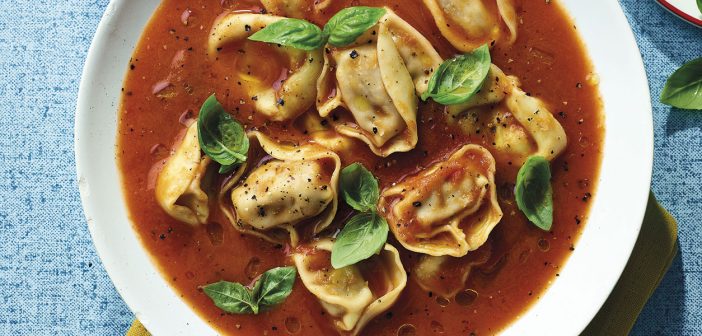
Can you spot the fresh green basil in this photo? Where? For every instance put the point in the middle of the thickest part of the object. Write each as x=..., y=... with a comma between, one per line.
x=274, y=286
x=231, y=297
x=271, y=289
x=460, y=78
x=221, y=137
x=534, y=193
x=350, y=23
x=359, y=188
x=295, y=33
x=699, y=5
x=365, y=233
x=362, y=236
x=684, y=87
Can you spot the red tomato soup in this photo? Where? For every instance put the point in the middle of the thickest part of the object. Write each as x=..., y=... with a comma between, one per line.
x=172, y=73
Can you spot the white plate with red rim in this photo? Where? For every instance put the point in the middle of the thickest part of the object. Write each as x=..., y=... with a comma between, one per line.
x=567, y=306
x=688, y=10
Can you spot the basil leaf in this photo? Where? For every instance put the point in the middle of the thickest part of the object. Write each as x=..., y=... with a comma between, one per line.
x=534, y=193
x=350, y=23
x=231, y=297
x=460, y=78
x=699, y=5
x=221, y=137
x=274, y=286
x=362, y=236
x=295, y=33
x=359, y=188
x=684, y=87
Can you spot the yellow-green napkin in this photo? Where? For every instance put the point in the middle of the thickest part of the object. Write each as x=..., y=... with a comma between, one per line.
x=653, y=253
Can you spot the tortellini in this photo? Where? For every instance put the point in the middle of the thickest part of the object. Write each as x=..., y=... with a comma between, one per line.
x=352, y=295
x=377, y=80
x=283, y=190
x=295, y=92
x=520, y=125
x=179, y=188
x=445, y=276
x=468, y=24
x=449, y=208
x=294, y=8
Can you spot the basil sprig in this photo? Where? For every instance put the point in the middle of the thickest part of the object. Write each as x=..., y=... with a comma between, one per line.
x=350, y=23
x=459, y=78
x=221, y=137
x=684, y=87
x=365, y=233
x=341, y=30
x=271, y=289
x=295, y=33
x=534, y=193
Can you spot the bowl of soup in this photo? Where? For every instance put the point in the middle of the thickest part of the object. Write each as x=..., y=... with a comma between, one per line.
x=372, y=167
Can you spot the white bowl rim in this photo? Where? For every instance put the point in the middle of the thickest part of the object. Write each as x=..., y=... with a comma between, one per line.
x=161, y=310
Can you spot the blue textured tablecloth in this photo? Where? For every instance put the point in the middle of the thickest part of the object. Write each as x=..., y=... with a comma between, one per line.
x=51, y=280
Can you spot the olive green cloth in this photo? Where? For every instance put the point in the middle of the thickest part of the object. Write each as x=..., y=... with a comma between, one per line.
x=653, y=253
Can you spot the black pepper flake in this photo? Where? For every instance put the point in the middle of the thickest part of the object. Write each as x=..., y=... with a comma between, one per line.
x=247, y=28
x=162, y=236
x=353, y=54
x=254, y=98
x=587, y=197
x=281, y=102
x=132, y=66
x=416, y=204
x=324, y=122
x=375, y=130
x=261, y=212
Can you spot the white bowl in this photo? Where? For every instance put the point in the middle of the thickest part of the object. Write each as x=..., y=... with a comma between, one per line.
x=567, y=306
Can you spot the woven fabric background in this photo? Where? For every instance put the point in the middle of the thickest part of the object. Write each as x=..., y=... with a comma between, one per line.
x=51, y=280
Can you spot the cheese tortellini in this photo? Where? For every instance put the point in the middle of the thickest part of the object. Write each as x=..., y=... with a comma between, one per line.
x=449, y=208
x=283, y=190
x=355, y=294
x=179, y=186
x=294, y=8
x=520, y=125
x=377, y=80
x=445, y=276
x=295, y=92
x=468, y=24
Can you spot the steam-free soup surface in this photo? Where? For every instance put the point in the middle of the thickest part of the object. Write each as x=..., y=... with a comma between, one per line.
x=169, y=77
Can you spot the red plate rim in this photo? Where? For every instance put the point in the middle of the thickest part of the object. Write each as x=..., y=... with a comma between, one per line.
x=675, y=10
